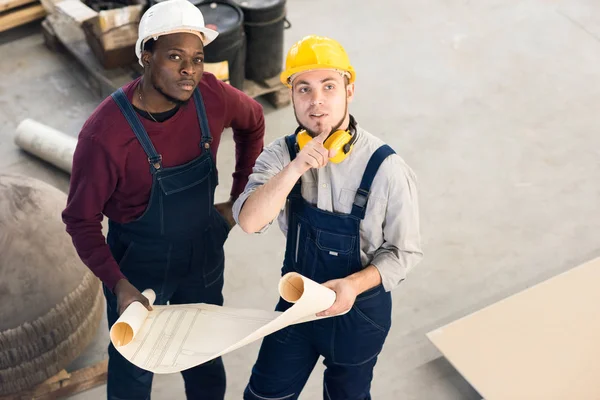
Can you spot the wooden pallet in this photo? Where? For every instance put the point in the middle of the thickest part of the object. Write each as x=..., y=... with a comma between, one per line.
x=15, y=13
x=272, y=89
x=6, y=5
x=61, y=34
x=65, y=384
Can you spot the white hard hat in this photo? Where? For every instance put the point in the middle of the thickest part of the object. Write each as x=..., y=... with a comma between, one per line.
x=172, y=16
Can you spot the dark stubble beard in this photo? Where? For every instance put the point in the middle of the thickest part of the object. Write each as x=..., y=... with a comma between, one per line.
x=333, y=129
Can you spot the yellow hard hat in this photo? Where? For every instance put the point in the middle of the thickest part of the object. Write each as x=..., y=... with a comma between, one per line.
x=316, y=52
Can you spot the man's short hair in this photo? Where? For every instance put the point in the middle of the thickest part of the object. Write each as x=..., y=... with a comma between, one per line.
x=149, y=45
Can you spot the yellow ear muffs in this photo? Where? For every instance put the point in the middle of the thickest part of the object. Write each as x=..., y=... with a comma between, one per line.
x=302, y=138
x=340, y=140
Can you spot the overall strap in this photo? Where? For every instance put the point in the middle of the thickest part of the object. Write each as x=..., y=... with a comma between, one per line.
x=290, y=141
x=362, y=194
x=124, y=104
x=202, y=119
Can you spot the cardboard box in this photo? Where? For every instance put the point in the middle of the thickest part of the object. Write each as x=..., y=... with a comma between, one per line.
x=112, y=35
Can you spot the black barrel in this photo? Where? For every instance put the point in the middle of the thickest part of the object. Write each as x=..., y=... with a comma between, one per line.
x=264, y=22
x=230, y=46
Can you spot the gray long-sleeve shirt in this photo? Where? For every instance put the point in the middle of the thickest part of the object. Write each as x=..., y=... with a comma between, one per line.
x=389, y=234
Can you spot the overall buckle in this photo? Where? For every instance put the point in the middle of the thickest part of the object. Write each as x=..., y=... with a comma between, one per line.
x=361, y=198
x=155, y=161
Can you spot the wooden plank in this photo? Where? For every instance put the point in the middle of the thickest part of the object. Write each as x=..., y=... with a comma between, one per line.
x=274, y=91
x=79, y=381
x=10, y=4
x=66, y=384
x=61, y=376
x=255, y=89
x=21, y=16
x=280, y=97
x=274, y=82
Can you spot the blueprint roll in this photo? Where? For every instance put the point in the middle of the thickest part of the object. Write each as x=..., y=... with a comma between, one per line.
x=46, y=143
x=132, y=319
x=173, y=338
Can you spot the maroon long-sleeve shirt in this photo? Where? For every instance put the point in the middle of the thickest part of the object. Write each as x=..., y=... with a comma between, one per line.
x=111, y=174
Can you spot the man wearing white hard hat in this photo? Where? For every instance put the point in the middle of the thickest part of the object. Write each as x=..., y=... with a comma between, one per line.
x=146, y=160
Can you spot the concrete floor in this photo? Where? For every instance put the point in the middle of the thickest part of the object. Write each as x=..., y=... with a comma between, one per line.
x=491, y=102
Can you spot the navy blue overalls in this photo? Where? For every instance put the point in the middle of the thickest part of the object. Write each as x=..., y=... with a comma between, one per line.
x=322, y=245
x=175, y=248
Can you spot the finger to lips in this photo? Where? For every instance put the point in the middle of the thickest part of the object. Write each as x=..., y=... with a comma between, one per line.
x=322, y=136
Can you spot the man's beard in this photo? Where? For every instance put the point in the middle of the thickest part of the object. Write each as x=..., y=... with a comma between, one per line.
x=173, y=100
x=333, y=129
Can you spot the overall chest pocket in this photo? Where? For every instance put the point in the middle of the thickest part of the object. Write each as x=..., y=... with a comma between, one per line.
x=187, y=177
x=335, y=243
x=328, y=255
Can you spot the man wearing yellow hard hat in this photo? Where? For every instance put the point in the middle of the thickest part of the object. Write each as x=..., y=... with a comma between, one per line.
x=348, y=206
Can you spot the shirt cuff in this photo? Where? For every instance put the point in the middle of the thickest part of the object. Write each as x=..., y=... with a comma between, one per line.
x=392, y=273
x=112, y=278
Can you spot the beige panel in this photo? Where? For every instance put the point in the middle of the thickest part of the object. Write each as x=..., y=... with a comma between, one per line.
x=542, y=343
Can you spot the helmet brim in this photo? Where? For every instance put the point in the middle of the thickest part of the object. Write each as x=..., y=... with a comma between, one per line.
x=205, y=34
x=286, y=75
